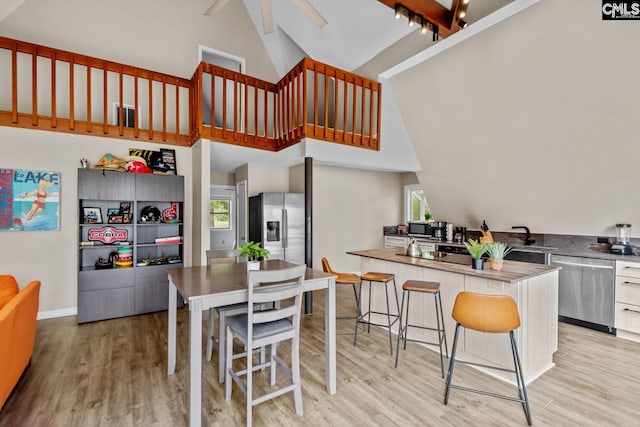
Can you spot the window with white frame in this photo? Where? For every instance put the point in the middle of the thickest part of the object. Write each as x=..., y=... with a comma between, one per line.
x=415, y=202
x=220, y=213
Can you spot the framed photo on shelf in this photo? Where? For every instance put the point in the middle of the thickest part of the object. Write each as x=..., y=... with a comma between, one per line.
x=169, y=160
x=125, y=207
x=92, y=216
x=127, y=218
x=114, y=216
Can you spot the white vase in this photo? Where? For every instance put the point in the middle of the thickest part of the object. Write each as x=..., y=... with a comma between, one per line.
x=253, y=265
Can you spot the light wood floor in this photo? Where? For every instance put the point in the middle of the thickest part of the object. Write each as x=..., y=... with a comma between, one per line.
x=113, y=373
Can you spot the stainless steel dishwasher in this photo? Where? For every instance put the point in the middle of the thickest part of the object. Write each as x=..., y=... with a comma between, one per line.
x=586, y=288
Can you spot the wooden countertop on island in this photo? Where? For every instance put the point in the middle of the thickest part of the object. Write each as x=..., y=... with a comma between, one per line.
x=512, y=271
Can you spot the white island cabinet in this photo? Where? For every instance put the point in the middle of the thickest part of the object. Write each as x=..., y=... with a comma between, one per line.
x=534, y=287
x=627, y=320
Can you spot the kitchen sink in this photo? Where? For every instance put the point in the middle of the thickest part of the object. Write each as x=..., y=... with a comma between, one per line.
x=532, y=248
x=534, y=256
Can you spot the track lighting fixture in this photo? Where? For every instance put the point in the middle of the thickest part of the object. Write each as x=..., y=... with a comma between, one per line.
x=414, y=19
x=458, y=12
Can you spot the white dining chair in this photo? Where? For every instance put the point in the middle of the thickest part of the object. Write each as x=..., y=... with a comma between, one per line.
x=256, y=329
x=215, y=256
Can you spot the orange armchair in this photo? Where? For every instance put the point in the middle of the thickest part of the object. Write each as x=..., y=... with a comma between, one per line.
x=18, y=312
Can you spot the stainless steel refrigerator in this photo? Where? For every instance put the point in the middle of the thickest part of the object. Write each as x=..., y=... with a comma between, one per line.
x=277, y=221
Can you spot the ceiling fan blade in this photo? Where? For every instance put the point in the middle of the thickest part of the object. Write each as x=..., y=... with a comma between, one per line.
x=216, y=7
x=267, y=21
x=311, y=12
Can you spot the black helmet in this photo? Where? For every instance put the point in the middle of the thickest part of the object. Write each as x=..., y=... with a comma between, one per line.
x=150, y=214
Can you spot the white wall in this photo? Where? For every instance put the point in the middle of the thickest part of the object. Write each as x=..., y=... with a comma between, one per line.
x=533, y=121
x=350, y=207
x=263, y=177
x=52, y=256
x=160, y=35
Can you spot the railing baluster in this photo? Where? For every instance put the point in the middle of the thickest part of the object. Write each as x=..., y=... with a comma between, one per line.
x=336, y=85
x=362, y=114
x=177, y=111
x=34, y=87
x=326, y=102
x=305, y=110
x=345, y=107
x=224, y=105
x=164, y=110
x=72, y=112
x=213, y=102
x=150, y=109
x=105, y=111
x=235, y=109
x=353, y=112
x=315, y=99
x=89, y=119
x=120, y=100
x=255, y=113
x=14, y=83
x=245, y=109
x=379, y=103
x=136, y=106
x=54, y=120
x=370, y=116
x=266, y=115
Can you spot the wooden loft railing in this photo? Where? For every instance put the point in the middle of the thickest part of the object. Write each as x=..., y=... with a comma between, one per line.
x=56, y=90
x=313, y=100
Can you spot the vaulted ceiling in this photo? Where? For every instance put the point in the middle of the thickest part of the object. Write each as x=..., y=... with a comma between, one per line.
x=357, y=32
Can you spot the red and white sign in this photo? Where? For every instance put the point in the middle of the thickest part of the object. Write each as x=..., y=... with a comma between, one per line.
x=108, y=235
x=171, y=214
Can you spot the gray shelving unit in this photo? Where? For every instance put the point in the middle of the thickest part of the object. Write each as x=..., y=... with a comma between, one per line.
x=143, y=287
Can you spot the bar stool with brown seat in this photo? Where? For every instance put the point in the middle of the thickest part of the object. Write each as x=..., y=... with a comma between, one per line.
x=345, y=279
x=387, y=279
x=423, y=287
x=492, y=314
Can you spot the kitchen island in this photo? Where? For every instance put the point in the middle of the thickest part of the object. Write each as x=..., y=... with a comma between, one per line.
x=534, y=287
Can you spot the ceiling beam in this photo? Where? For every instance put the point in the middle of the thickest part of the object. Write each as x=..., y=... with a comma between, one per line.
x=433, y=11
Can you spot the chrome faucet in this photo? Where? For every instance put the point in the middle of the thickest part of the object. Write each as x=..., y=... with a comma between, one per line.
x=527, y=240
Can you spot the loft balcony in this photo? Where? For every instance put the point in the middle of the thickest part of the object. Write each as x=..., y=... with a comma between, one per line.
x=56, y=90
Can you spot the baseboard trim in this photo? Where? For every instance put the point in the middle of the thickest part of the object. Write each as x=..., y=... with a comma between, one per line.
x=63, y=312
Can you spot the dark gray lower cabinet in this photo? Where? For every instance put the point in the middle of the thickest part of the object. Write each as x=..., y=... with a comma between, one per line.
x=152, y=288
x=104, y=296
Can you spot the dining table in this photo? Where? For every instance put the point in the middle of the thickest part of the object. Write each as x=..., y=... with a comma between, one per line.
x=204, y=287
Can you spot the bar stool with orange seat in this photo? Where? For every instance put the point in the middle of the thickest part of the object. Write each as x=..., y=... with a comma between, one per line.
x=423, y=287
x=345, y=279
x=492, y=314
x=387, y=279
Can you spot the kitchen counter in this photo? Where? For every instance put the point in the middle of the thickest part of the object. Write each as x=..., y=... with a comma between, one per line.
x=534, y=287
x=512, y=271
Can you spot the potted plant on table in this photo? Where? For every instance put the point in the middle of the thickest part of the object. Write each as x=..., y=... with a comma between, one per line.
x=254, y=252
x=476, y=250
x=497, y=251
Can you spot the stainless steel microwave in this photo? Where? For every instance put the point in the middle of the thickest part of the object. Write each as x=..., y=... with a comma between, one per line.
x=423, y=228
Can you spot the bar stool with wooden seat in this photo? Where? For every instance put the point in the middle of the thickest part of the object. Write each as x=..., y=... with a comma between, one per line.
x=492, y=314
x=345, y=279
x=423, y=287
x=387, y=279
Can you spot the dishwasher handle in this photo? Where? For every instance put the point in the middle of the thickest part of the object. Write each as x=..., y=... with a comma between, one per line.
x=577, y=264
